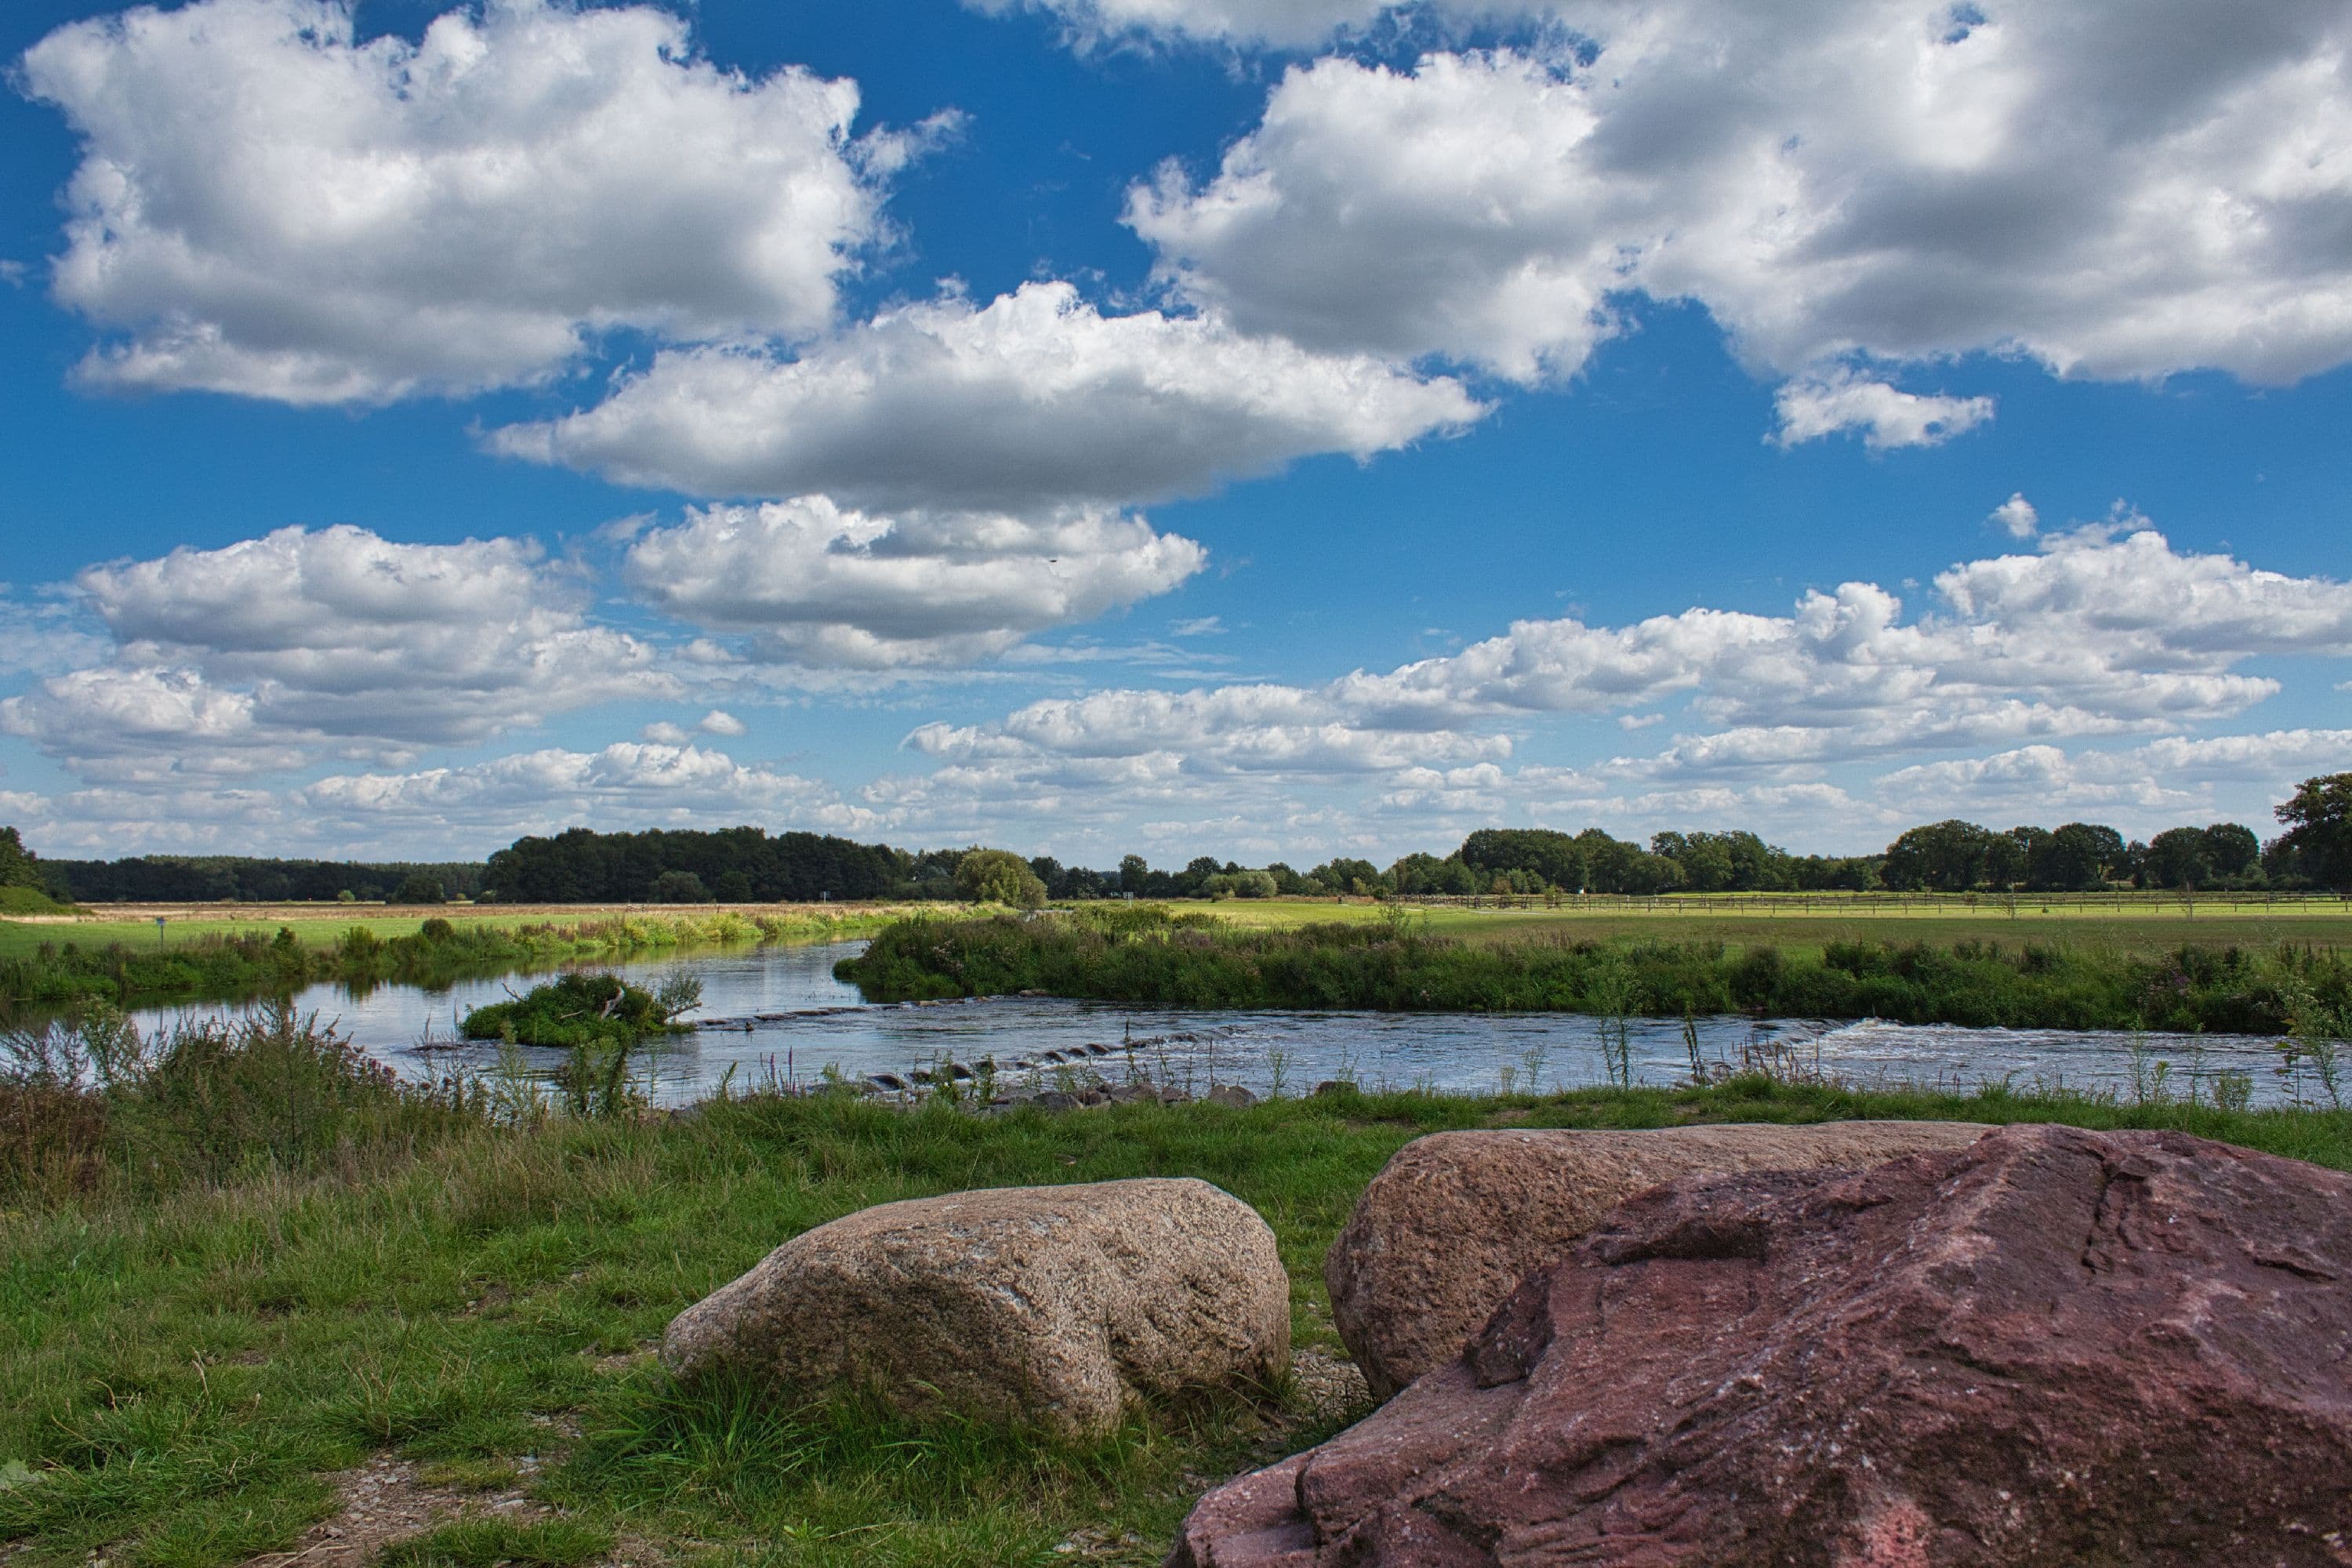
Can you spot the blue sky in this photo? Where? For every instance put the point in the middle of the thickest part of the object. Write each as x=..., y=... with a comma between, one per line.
x=1170, y=426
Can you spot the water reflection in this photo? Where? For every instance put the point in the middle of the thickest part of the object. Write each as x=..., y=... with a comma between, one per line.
x=788, y=1019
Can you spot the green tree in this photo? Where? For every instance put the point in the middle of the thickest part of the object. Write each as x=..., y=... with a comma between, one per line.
x=2176, y=859
x=1553, y=856
x=2231, y=849
x=2319, y=819
x=678, y=888
x=419, y=888
x=1704, y=859
x=1196, y=874
x=1343, y=875
x=999, y=876
x=18, y=867
x=1949, y=857
x=2079, y=857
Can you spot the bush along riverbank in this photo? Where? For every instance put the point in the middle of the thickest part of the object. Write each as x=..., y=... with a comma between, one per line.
x=218, y=966
x=1147, y=957
x=239, y=1264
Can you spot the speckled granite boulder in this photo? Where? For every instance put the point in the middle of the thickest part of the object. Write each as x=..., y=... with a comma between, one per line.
x=1050, y=1307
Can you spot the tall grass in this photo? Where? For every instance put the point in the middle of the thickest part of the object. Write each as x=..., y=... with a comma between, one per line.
x=95, y=1108
x=1147, y=958
x=217, y=966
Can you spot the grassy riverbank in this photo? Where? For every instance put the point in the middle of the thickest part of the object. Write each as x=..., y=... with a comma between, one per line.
x=62, y=968
x=1149, y=957
x=238, y=1295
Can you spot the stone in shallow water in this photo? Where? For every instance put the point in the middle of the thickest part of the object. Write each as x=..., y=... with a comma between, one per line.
x=1051, y=1307
x=1455, y=1220
x=2052, y=1347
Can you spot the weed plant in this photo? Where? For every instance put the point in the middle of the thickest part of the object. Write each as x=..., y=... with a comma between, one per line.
x=1146, y=957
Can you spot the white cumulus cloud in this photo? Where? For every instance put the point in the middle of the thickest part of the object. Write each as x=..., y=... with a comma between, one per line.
x=2017, y=517
x=626, y=784
x=1814, y=406
x=268, y=206
x=1285, y=22
x=823, y=584
x=335, y=637
x=1034, y=402
x=2091, y=635
x=2113, y=195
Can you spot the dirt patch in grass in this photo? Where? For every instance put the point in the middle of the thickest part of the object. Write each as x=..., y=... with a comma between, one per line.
x=384, y=1503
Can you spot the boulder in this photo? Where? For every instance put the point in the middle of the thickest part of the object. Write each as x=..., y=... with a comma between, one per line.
x=1455, y=1220
x=2052, y=1347
x=1054, y=1308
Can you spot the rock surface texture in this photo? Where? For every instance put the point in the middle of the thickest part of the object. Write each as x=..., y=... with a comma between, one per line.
x=1052, y=1306
x=2052, y=1347
x=1454, y=1222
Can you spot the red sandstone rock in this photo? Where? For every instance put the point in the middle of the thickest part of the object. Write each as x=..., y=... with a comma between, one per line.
x=2054, y=1347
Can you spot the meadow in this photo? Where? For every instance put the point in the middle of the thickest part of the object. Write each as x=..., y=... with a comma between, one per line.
x=255, y=1263
x=1803, y=924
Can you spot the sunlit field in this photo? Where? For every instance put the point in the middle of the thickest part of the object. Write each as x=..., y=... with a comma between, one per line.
x=321, y=925
x=1802, y=923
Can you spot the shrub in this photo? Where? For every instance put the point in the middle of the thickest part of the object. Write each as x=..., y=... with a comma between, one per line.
x=999, y=876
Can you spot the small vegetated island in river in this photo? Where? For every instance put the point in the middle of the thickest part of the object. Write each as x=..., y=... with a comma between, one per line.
x=585, y=1009
x=1148, y=957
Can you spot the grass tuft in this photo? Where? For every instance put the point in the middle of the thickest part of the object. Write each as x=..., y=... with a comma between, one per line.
x=488, y=1543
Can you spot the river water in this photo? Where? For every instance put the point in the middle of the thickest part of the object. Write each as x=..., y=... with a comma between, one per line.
x=778, y=1013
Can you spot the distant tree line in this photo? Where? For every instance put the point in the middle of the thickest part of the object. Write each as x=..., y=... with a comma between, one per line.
x=205, y=879
x=749, y=865
x=733, y=866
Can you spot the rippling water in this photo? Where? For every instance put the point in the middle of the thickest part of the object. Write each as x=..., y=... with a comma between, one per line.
x=787, y=1017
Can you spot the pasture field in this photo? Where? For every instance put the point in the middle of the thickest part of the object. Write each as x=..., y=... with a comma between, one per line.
x=1803, y=925
x=1800, y=923
x=324, y=925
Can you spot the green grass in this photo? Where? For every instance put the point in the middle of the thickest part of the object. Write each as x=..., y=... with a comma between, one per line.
x=1148, y=957
x=184, y=1366
x=17, y=900
x=66, y=968
x=1802, y=925
x=323, y=926
x=491, y=1542
x=578, y=1010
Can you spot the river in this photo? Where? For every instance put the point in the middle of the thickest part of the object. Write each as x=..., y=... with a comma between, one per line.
x=787, y=1019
